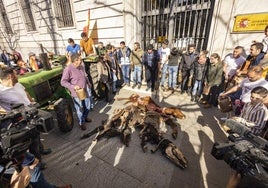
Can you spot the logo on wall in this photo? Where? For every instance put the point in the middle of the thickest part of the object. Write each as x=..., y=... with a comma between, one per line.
x=244, y=23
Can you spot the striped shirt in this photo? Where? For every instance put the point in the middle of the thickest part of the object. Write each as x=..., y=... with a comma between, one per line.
x=254, y=117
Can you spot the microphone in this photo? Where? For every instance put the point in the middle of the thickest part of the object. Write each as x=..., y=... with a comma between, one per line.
x=237, y=127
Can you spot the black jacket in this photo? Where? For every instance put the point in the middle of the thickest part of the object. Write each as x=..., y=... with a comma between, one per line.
x=188, y=60
x=155, y=60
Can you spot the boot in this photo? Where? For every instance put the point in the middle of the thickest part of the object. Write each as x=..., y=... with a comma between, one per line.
x=193, y=97
x=196, y=99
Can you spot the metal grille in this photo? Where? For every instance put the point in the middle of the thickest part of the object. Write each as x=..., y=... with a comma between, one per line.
x=183, y=22
x=28, y=15
x=63, y=13
x=4, y=19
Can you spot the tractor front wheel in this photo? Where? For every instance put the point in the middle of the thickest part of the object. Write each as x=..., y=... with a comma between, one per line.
x=64, y=115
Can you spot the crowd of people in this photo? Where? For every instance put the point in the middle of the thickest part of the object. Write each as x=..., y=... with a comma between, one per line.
x=206, y=79
x=14, y=59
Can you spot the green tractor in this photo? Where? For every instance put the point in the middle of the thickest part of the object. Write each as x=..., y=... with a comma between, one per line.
x=44, y=86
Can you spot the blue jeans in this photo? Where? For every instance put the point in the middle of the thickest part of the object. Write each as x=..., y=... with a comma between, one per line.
x=38, y=180
x=137, y=74
x=172, y=77
x=125, y=72
x=197, y=89
x=164, y=72
x=114, y=81
x=82, y=107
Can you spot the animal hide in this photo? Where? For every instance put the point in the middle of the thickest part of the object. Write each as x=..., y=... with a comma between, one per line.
x=145, y=114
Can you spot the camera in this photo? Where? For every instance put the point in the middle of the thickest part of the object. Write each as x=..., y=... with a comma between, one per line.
x=245, y=153
x=18, y=129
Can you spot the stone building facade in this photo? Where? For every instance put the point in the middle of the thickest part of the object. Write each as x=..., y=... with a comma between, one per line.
x=25, y=24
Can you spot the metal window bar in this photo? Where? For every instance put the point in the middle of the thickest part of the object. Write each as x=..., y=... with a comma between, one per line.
x=207, y=12
x=63, y=13
x=67, y=13
x=58, y=14
x=191, y=21
x=28, y=15
x=4, y=19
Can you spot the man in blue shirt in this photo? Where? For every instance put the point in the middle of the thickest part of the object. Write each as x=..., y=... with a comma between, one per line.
x=72, y=48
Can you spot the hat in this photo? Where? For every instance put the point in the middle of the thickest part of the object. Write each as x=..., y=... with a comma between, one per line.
x=28, y=159
x=174, y=51
x=31, y=54
x=150, y=47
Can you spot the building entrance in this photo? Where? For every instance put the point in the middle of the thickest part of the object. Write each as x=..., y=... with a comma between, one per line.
x=183, y=22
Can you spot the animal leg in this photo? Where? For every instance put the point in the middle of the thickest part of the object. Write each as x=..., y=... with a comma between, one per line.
x=89, y=134
x=144, y=139
x=174, y=126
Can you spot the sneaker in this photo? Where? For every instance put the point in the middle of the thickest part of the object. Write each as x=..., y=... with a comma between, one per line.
x=134, y=85
x=139, y=86
x=192, y=98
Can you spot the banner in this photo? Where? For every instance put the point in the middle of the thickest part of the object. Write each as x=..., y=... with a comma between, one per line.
x=250, y=22
x=87, y=25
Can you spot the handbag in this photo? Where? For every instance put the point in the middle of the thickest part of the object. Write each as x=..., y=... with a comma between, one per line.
x=225, y=104
x=81, y=93
x=206, y=89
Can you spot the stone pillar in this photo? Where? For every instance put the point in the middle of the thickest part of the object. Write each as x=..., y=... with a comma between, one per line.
x=132, y=21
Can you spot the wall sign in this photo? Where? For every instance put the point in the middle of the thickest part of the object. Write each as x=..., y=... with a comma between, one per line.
x=250, y=22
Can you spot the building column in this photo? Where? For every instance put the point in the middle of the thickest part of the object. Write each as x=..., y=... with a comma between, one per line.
x=132, y=22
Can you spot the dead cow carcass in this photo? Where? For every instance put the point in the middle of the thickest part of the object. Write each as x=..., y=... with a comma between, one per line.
x=151, y=133
x=147, y=104
x=121, y=124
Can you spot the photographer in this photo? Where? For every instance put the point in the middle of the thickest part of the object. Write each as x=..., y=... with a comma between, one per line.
x=254, y=114
x=12, y=92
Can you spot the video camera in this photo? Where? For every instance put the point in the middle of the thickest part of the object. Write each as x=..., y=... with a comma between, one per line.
x=245, y=153
x=18, y=129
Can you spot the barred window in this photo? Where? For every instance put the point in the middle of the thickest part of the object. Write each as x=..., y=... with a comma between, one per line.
x=4, y=19
x=28, y=15
x=63, y=13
